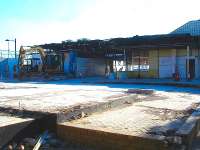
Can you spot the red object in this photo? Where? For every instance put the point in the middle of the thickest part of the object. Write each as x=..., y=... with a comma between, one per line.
x=177, y=77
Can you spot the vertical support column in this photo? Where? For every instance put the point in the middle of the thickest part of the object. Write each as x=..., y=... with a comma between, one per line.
x=125, y=63
x=131, y=60
x=158, y=71
x=123, y=74
x=15, y=48
x=174, y=61
x=187, y=61
x=139, y=65
x=7, y=67
x=8, y=49
x=115, y=63
x=198, y=61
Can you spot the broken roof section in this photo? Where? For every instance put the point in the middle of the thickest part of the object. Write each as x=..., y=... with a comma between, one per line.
x=130, y=43
x=191, y=27
x=153, y=41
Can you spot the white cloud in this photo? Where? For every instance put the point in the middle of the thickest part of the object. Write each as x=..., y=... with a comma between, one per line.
x=106, y=19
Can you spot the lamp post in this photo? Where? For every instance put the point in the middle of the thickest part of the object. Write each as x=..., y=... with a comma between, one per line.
x=7, y=40
x=7, y=67
x=8, y=47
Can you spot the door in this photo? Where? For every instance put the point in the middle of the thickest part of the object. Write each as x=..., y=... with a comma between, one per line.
x=192, y=68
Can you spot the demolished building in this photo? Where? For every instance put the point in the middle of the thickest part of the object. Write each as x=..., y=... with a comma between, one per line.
x=152, y=56
x=174, y=55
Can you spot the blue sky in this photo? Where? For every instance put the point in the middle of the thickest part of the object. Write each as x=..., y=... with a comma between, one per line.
x=41, y=10
x=45, y=21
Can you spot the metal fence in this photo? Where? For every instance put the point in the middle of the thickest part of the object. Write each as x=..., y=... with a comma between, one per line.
x=7, y=54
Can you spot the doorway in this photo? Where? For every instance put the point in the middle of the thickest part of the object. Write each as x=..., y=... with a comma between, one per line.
x=191, y=68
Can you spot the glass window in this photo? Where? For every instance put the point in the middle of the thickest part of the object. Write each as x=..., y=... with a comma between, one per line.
x=119, y=65
x=140, y=61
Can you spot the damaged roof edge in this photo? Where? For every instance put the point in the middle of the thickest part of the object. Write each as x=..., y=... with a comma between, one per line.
x=146, y=41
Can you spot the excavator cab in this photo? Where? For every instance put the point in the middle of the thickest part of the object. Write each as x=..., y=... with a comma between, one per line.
x=37, y=61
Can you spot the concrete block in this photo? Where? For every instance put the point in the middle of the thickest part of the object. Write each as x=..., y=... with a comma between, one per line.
x=7, y=132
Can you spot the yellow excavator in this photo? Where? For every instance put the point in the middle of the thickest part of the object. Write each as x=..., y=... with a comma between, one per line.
x=34, y=60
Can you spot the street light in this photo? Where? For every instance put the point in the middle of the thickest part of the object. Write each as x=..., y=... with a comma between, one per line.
x=7, y=40
x=8, y=47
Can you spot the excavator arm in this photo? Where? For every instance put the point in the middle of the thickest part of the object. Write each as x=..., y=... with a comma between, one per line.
x=24, y=51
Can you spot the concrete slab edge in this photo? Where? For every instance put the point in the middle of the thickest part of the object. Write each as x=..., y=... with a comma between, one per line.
x=107, y=140
x=74, y=114
x=190, y=128
x=9, y=131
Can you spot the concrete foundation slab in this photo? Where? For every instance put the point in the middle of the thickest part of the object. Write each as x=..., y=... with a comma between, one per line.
x=160, y=114
x=10, y=126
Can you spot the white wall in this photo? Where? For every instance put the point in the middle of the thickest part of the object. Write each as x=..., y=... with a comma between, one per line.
x=166, y=67
x=181, y=63
x=90, y=67
x=197, y=67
